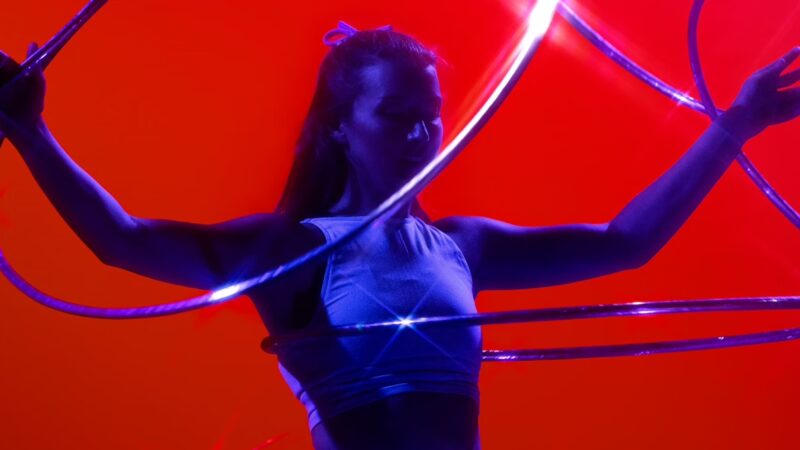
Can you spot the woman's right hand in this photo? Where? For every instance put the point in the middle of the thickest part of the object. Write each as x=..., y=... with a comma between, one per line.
x=766, y=98
x=21, y=99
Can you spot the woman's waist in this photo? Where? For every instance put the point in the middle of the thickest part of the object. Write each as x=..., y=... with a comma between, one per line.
x=328, y=374
x=413, y=419
x=341, y=392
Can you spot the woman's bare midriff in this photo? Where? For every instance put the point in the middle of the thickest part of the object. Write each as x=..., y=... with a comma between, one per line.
x=414, y=420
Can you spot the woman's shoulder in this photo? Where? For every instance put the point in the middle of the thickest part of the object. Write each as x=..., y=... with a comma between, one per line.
x=461, y=227
x=275, y=237
x=464, y=231
x=276, y=227
x=297, y=236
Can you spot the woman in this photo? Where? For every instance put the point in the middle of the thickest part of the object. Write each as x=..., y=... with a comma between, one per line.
x=373, y=122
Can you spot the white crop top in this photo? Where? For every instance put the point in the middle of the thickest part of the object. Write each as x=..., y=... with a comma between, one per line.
x=403, y=268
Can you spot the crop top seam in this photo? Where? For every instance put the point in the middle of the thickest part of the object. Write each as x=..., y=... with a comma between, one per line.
x=326, y=277
x=326, y=280
x=460, y=254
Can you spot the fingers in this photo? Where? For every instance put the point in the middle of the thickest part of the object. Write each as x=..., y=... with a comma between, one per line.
x=789, y=106
x=8, y=68
x=32, y=47
x=792, y=95
x=780, y=65
x=7, y=64
x=789, y=79
x=35, y=69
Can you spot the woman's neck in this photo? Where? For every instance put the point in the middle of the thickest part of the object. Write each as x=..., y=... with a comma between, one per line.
x=358, y=199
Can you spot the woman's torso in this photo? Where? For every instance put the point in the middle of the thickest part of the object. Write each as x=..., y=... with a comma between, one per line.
x=296, y=303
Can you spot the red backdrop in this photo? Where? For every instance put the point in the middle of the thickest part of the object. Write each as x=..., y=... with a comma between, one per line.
x=188, y=110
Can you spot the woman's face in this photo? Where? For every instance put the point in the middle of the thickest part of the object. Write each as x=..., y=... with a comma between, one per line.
x=395, y=127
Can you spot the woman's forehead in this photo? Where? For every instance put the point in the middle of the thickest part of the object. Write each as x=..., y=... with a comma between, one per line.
x=396, y=80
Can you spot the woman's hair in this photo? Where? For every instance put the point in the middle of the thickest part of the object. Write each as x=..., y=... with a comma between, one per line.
x=319, y=171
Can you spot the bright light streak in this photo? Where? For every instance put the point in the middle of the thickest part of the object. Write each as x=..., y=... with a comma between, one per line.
x=226, y=292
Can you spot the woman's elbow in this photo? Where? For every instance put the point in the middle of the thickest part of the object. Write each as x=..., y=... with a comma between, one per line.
x=632, y=251
x=116, y=251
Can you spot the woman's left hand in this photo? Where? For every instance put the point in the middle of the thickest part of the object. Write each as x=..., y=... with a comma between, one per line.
x=762, y=103
x=21, y=95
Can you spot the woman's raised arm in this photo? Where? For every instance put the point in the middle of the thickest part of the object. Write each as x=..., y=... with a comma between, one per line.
x=504, y=256
x=655, y=215
x=195, y=255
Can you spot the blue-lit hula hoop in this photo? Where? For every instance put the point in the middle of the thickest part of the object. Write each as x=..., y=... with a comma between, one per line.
x=274, y=344
x=539, y=22
x=706, y=106
x=44, y=55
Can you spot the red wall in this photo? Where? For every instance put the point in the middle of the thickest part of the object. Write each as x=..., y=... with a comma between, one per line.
x=188, y=110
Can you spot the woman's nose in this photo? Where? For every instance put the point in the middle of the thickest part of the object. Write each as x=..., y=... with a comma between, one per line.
x=420, y=131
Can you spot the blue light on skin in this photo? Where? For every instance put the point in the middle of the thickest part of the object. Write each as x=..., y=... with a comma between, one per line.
x=398, y=112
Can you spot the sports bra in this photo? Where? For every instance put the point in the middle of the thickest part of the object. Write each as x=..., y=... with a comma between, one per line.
x=399, y=269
